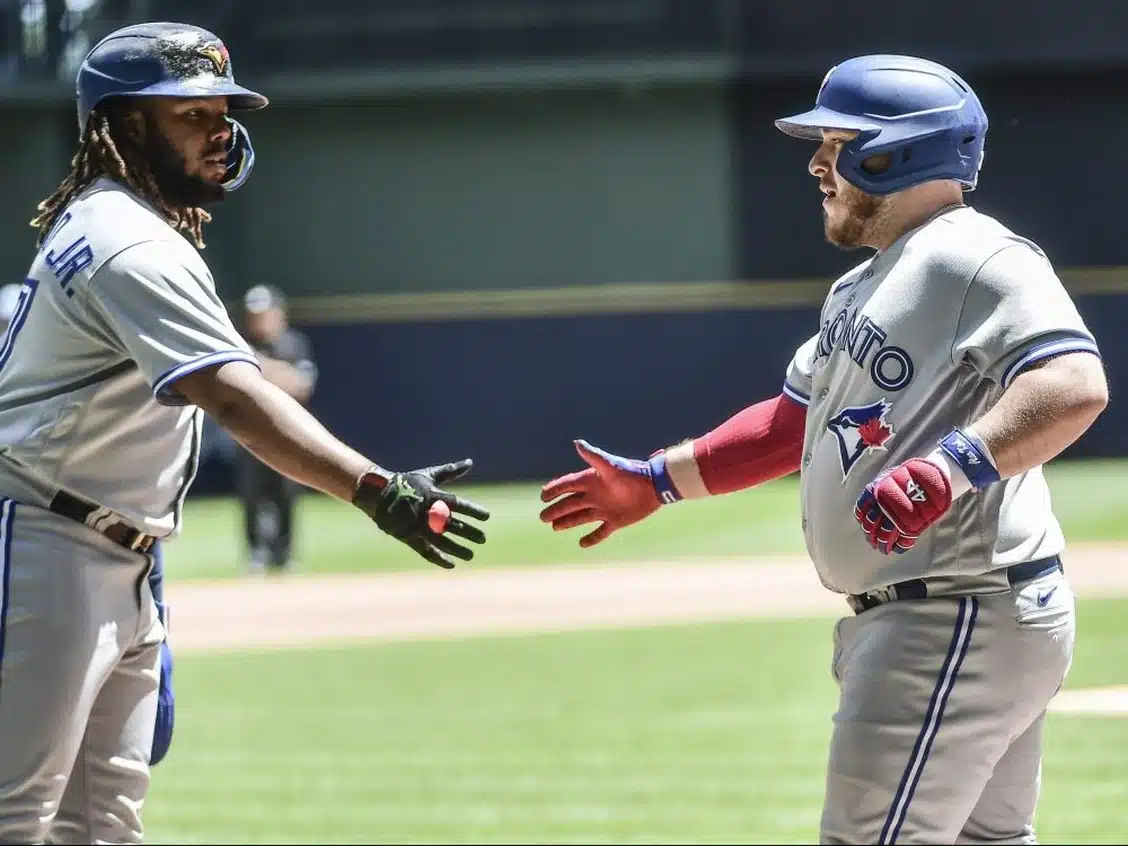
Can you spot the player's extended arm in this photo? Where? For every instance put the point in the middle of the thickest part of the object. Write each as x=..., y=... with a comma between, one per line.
x=277, y=429
x=762, y=442
x=1045, y=409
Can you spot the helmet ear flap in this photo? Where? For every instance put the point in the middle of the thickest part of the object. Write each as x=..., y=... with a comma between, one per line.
x=877, y=164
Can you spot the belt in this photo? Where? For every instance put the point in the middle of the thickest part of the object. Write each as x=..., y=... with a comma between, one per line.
x=918, y=588
x=120, y=533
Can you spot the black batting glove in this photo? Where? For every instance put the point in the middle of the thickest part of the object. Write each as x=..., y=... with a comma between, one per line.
x=399, y=504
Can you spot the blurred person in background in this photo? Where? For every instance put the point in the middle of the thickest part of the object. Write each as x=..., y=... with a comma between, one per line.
x=268, y=497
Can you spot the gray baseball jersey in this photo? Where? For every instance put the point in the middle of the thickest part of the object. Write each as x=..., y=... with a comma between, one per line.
x=922, y=337
x=117, y=306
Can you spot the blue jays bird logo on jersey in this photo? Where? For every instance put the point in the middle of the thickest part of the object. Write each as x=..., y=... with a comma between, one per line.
x=860, y=429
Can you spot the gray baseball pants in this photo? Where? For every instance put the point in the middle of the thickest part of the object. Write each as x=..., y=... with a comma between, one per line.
x=938, y=733
x=79, y=666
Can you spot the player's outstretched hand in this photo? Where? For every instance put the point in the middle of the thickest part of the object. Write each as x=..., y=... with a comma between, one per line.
x=411, y=506
x=896, y=507
x=613, y=491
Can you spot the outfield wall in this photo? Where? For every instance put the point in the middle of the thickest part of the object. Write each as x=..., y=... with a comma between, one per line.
x=514, y=392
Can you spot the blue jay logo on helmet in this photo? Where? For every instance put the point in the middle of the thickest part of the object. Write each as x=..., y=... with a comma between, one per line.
x=219, y=57
x=920, y=113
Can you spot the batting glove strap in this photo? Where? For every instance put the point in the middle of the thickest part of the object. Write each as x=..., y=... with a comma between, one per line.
x=663, y=484
x=396, y=502
x=971, y=455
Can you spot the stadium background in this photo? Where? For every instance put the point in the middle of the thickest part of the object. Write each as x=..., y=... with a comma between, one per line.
x=508, y=223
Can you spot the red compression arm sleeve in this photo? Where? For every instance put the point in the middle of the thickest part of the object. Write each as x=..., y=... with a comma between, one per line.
x=760, y=443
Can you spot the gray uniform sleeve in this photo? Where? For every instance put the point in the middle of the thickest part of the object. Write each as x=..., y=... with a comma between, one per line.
x=166, y=317
x=1016, y=312
x=797, y=384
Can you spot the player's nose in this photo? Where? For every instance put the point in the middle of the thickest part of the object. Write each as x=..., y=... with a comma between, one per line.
x=820, y=162
x=221, y=130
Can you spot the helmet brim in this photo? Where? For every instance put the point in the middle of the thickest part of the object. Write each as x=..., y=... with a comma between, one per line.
x=810, y=125
x=237, y=96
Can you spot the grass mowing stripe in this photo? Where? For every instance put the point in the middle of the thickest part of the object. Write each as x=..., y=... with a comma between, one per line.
x=334, y=537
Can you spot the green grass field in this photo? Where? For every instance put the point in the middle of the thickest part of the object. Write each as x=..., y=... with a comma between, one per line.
x=702, y=734
x=334, y=537
x=709, y=733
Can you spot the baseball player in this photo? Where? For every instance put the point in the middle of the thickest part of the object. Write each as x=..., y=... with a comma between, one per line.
x=118, y=346
x=947, y=368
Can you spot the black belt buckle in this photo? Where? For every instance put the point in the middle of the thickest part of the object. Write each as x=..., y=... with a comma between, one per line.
x=872, y=598
x=122, y=534
x=137, y=541
x=911, y=589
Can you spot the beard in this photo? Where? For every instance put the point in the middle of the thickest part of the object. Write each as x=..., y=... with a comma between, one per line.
x=170, y=171
x=857, y=213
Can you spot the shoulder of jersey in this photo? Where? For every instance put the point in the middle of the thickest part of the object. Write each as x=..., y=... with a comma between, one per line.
x=113, y=219
x=964, y=240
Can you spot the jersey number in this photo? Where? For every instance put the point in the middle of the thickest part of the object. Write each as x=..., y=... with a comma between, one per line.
x=19, y=316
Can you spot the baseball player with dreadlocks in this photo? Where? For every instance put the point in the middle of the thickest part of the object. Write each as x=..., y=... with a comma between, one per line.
x=947, y=368
x=117, y=347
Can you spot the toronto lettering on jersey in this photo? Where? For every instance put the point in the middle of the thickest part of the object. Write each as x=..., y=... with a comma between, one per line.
x=890, y=367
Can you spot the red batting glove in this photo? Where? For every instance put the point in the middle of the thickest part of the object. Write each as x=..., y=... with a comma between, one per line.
x=613, y=491
x=901, y=503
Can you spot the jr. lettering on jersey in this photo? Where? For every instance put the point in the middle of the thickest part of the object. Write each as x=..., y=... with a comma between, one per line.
x=65, y=263
x=890, y=367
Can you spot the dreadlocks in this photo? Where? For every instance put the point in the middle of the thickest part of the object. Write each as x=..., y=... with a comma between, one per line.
x=98, y=155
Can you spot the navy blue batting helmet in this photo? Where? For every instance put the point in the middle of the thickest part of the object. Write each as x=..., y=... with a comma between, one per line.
x=923, y=115
x=159, y=59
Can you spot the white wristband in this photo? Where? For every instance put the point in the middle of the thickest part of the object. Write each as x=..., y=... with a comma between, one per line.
x=956, y=477
x=681, y=464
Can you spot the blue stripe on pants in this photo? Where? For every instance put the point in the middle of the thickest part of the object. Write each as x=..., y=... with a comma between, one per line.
x=7, y=515
x=957, y=650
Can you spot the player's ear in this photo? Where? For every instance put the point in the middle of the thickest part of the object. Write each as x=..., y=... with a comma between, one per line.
x=136, y=123
x=135, y=119
x=127, y=124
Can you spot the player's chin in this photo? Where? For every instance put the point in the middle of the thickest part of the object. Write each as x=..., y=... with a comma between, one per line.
x=212, y=170
x=842, y=233
x=832, y=223
x=209, y=191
